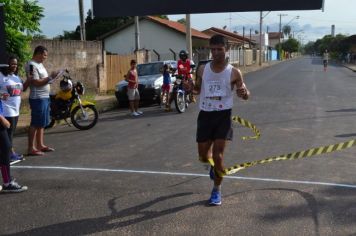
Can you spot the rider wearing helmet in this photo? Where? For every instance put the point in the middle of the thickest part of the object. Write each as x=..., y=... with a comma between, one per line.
x=184, y=69
x=184, y=64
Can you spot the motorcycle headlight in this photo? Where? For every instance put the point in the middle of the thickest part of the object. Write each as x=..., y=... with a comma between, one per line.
x=178, y=81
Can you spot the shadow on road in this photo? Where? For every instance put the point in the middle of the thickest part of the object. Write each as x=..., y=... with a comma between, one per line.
x=117, y=219
x=343, y=110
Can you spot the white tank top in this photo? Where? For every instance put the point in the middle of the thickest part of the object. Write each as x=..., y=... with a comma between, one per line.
x=216, y=93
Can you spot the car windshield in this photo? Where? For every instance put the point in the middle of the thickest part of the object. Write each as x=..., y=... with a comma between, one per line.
x=149, y=69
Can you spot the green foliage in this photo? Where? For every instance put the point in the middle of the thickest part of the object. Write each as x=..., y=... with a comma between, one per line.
x=22, y=21
x=72, y=35
x=39, y=36
x=182, y=21
x=337, y=46
x=309, y=48
x=286, y=30
x=291, y=45
x=165, y=17
x=96, y=27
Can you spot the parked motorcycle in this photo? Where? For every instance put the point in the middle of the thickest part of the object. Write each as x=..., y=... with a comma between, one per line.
x=68, y=104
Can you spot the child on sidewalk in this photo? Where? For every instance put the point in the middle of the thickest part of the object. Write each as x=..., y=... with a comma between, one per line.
x=166, y=87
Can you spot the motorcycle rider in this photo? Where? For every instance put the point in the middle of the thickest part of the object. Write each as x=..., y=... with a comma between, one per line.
x=184, y=66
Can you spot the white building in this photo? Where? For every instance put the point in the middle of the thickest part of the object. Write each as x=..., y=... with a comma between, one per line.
x=164, y=38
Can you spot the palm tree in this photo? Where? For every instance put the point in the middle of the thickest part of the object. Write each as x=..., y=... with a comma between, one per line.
x=286, y=30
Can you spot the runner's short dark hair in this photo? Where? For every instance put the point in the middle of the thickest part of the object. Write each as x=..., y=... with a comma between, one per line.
x=133, y=62
x=218, y=39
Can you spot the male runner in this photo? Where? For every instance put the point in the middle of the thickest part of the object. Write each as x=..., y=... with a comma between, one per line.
x=215, y=83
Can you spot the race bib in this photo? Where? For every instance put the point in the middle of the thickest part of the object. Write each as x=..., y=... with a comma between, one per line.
x=215, y=88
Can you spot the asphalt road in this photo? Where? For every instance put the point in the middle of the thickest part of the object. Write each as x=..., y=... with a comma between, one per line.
x=140, y=176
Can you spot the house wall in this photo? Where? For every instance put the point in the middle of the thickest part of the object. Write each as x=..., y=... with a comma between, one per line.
x=83, y=59
x=256, y=38
x=273, y=42
x=152, y=37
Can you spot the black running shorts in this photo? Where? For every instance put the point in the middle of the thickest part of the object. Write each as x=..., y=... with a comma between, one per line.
x=214, y=125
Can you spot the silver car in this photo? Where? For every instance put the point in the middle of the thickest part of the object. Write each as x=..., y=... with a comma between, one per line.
x=150, y=80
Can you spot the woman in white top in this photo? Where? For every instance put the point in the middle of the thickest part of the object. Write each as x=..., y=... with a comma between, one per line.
x=11, y=87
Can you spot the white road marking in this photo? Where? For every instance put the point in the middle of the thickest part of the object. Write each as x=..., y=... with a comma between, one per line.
x=183, y=174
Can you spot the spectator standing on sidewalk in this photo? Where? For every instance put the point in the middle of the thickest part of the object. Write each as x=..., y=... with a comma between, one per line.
x=9, y=185
x=132, y=89
x=39, y=101
x=11, y=87
x=215, y=83
x=166, y=87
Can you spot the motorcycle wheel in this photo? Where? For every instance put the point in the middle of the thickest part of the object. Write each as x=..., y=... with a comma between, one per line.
x=86, y=120
x=179, y=101
x=51, y=124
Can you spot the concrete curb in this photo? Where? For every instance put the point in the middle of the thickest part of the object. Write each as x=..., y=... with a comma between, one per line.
x=353, y=68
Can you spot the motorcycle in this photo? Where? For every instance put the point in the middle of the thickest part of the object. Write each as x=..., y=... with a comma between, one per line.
x=182, y=89
x=83, y=114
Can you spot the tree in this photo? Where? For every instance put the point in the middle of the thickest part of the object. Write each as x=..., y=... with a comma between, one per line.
x=22, y=21
x=162, y=17
x=309, y=48
x=291, y=45
x=39, y=36
x=286, y=30
x=182, y=21
x=95, y=27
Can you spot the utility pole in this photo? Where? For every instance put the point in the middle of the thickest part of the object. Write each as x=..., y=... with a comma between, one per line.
x=243, y=46
x=188, y=36
x=82, y=23
x=250, y=38
x=260, y=61
x=280, y=34
x=137, y=33
x=261, y=19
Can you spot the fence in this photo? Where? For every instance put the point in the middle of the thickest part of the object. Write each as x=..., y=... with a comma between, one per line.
x=116, y=67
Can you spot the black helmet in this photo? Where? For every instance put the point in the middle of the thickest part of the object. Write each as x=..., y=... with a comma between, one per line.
x=183, y=54
x=79, y=87
x=66, y=84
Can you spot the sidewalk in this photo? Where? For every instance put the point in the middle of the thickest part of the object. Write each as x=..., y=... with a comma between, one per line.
x=350, y=66
x=109, y=102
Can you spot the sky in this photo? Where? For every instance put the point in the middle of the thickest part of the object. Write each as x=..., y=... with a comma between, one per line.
x=307, y=26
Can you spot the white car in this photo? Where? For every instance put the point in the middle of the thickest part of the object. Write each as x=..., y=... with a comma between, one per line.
x=150, y=82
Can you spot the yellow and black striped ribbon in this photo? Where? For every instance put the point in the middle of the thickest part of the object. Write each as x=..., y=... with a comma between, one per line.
x=285, y=157
x=247, y=124
x=291, y=156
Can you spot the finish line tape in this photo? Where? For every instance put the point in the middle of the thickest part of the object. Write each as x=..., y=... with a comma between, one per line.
x=284, y=157
x=247, y=124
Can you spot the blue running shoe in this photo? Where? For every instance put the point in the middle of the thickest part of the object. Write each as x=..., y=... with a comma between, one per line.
x=211, y=173
x=16, y=157
x=215, y=199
